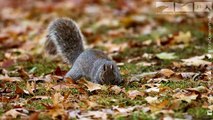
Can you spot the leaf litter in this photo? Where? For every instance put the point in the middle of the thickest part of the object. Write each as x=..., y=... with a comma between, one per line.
x=166, y=71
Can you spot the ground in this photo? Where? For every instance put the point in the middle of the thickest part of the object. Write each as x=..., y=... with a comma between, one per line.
x=165, y=61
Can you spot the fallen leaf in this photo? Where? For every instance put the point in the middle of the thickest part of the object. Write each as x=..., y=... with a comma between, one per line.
x=166, y=72
x=59, y=72
x=7, y=63
x=57, y=107
x=19, y=90
x=124, y=110
x=159, y=106
x=153, y=89
x=195, y=61
x=151, y=100
x=116, y=89
x=200, y=89
x=186, y=75
x=210, y=107
x=92, y=86
x=182, y=37
x=94, y=114
x=157, y=80
x=188, y=97
x=10, y=79
x=166, y=56
x=164, y=112
x=210, y=99
x=34, y=116
x=134, y=93
x=146, y=63
x=23, y=73
x=91, y=104
x=14, y=113
x=31, y=87
x=61, y=86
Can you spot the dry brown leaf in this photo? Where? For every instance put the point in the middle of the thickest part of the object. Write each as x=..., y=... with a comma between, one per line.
x=23, y=73
x=69, y=80
x=4, y=99
x=188, y=97
x=177, y=64
x=14, y=113
x=146, y=63
x=124, y=110
x=210, y=107
x=31, y=87
x=210, y=99
x=95, y=115
x=116, y=89
x=57, y=108
x=186, y=74
x=165, y=113
x=61, y=86
x=151, y=100
x=10, y=79
x=92, y=86
x=182, y=37
x=59, y=72
x=153, y=89
x=134, y=93
x=157, y=80
x=166, y=72
x=91, y=104
x=34, y=116
x=200, y=89
x=19, y=90
x=159, y=106
x=175, y=104
x=196, y=61
x=111, y=47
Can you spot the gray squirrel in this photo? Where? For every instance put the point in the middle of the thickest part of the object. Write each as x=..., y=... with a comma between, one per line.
x=64, y=37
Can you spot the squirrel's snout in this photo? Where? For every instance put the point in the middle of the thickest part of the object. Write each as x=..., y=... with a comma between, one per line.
x=117, y=82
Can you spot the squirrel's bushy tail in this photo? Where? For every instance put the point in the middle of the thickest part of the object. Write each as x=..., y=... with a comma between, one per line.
x=64, y=37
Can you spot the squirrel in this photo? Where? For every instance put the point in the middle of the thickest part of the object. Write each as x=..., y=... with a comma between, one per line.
x=64, y=37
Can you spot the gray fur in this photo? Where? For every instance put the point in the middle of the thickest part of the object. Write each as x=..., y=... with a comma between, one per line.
x=65, y=36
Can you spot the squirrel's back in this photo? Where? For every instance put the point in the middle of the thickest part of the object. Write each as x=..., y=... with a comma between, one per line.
x=64, y=37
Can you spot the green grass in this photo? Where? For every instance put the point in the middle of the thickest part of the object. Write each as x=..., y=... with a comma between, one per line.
x=72, y=91
x=199, y=113
x=1, y=55
x=44, y=117
x=38, y=67
x=118, y=100
x=38, y=104
x=1, y=111
x=41, y=68
x=137, y=115
x=182, y=84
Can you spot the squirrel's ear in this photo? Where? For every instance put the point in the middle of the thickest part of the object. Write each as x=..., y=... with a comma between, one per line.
x=111, y=67
x=105, y=67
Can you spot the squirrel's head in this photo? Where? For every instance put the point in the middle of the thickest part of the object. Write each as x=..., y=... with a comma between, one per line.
x=109, y=74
